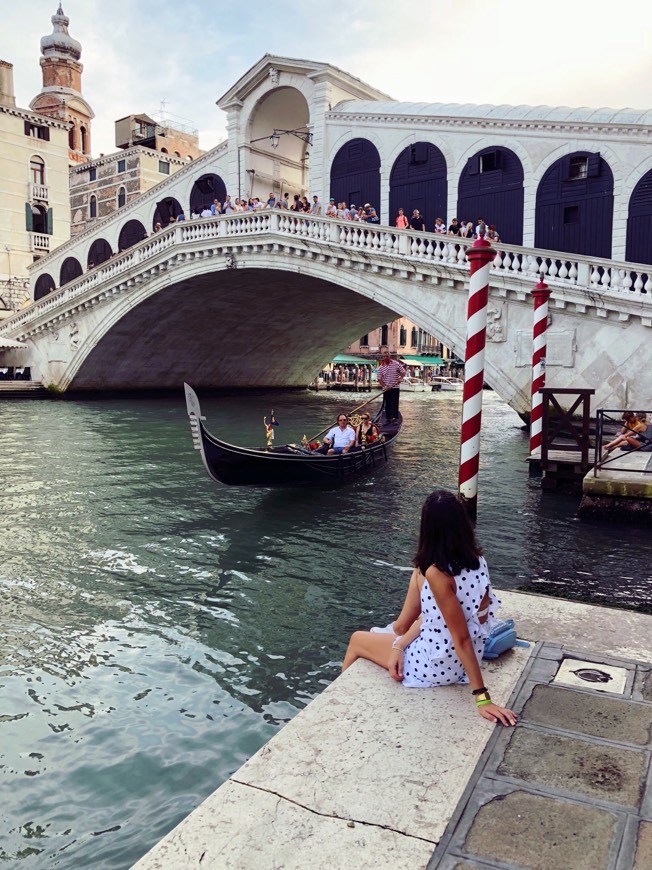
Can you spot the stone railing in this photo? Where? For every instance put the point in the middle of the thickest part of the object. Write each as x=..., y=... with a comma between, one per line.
x=39, y=242
x=616, y=281
x=38, y=191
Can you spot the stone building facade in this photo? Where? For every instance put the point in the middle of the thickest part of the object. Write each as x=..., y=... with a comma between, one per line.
x=35, y=213
x=168, y=137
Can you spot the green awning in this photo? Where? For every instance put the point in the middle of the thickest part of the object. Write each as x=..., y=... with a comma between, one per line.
x=345, y=359
x=423, y=360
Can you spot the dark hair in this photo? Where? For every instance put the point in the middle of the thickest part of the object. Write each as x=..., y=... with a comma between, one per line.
x=446, y=536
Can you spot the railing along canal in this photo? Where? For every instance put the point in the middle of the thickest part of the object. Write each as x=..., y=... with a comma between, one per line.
x=613, y=280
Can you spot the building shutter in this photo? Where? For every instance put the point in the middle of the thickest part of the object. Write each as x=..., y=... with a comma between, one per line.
x=565, y=168
x=593, y=165
x=45, y=134
x=48, y=222
x=474, y=165
x=29, y=218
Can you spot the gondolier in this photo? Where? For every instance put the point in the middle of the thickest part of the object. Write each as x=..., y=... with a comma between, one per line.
x=390, y=374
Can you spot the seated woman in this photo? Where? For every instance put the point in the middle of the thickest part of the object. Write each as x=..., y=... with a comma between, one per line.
x=443, y=626
x=367, y=432
x=627, y=437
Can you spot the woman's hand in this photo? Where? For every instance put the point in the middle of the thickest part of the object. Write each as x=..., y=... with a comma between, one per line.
x=395, y=667
x=496, y=714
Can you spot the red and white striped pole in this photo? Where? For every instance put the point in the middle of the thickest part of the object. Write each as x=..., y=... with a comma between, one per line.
x=540, y=294
x=480, y=257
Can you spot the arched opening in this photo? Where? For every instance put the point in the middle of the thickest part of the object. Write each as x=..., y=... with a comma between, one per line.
x=166, y=212
x=575, y=204
x=176, y=154
x=355, y=174
x=639, y=222
x=131, y=233
x=99, y=252
x=84, y=139
x=92, y=207
x=280, y=164
x=70, y=269
x=37, y=170
x=39, y=219
x=419, y=180
x=491, y=187
x=205, y=190
x=44, y=285
x=164, y=150
x=71, y=137
x=122, y=197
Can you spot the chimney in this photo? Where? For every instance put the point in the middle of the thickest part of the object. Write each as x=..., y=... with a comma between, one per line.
x=7, y=96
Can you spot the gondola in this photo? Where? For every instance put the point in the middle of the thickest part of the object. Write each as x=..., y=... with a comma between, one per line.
x=290, y=465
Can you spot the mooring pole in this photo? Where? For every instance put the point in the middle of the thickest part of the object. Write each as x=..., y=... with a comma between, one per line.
x=540, y=294
x=481, y=256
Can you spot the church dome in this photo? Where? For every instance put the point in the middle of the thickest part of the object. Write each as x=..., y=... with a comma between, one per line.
x=60, y=43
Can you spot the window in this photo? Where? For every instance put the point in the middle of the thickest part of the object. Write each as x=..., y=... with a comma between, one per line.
x=402, y=336
x=489, y=162
x=176, y=154
x=92, y=209
x=418, y=153
x=364, y=341
x=163, y=167
x=37, y=170
x=36, y=131
x=122, y=165
x=122, y=197
x=578, y=168
x=384, y=334
x=84, y=140
x=414, y=337
x=92, y=174
x=572, y=214
x=38, y=219
x=71, y=138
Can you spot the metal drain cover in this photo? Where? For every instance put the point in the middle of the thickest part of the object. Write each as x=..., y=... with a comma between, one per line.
x=591, y=675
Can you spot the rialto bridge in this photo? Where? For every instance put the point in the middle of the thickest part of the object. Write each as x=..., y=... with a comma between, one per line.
x=267, y=298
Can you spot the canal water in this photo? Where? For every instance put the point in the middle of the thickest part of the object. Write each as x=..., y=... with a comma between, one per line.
x=157, y=628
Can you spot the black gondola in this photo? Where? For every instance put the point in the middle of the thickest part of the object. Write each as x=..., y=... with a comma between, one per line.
x=287, y=465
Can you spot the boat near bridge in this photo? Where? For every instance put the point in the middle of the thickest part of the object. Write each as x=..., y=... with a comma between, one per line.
x=289, y=465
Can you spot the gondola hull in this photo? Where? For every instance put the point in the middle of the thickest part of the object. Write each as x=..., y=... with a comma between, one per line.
x=286, y=466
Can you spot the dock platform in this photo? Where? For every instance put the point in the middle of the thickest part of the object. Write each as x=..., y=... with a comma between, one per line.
x=620, y=489
x=374, y=775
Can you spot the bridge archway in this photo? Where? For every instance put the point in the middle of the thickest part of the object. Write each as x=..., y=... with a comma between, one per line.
x=491, y=187
x=574, y=206
x=44, y=285
x=130, y=234
x=355, y=174
x=419, y=180
x=639, y=222
x=99, y=252
x=205, y=189
x=166, y=212
x=283, y=165
x=70, y=269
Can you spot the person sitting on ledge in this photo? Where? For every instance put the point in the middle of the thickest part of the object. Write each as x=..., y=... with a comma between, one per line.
x=634, y=424
x=340, y=438
x=439, y=637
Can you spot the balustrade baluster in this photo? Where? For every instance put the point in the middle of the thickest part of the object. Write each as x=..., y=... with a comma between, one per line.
x=606, y=277
x=627, y=281
x=616, y=279
x=552, y=269
x=595, y=277
x=572, y=272
x=563, y=271
x=648, y=285
x=498, y=261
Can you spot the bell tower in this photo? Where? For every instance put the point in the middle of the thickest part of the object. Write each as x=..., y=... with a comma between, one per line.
x=61, y=94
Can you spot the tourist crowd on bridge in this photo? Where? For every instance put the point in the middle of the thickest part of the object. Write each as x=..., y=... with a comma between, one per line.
x=361, y=214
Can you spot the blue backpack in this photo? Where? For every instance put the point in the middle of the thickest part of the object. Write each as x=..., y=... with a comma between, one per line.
x=501, y=638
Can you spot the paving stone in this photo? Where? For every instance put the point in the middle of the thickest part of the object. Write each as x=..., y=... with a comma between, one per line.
x=541, y=833
x=604, y=772
x=594, y=715
x=647, y=687
x=644, y=847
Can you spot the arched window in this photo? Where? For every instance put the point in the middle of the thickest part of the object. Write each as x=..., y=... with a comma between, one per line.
x=402, y=336
x=176, y=154
x=99, y=252
x=82, y=133
x=71, y=137
x=164, y=150
x=189, y=158
x=44, y=285
x=384, y=334
x=70, y=269
x=37, y=170
x=414, y=337
x=38, y=223
x=122, y=197
x=355, y=174
x=131, y=233
x=364, y=341
x=92, y=207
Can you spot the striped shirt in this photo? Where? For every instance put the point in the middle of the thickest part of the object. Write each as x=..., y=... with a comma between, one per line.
x=390, y=374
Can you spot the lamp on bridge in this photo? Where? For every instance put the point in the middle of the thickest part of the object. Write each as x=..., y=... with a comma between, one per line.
x=275, y=137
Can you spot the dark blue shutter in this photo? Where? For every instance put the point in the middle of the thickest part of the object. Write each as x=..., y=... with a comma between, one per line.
x=593, y=165
x=49, y=222
x=29, y=218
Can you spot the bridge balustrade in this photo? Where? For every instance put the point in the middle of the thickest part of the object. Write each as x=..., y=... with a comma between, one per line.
x=606, y=277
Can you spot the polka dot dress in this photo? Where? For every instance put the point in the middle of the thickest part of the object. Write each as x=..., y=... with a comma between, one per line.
x=431, y=660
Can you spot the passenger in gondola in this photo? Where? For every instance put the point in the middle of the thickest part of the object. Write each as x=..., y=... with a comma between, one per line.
x=367, y=432
x=340, y=438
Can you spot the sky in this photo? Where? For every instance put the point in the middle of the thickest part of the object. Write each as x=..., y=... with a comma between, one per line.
x=138, y=54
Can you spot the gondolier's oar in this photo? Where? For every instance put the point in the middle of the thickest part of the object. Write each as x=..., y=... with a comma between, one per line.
x=372, y=399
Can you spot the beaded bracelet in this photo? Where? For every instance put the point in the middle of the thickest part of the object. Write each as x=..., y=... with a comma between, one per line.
x=482, y=703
